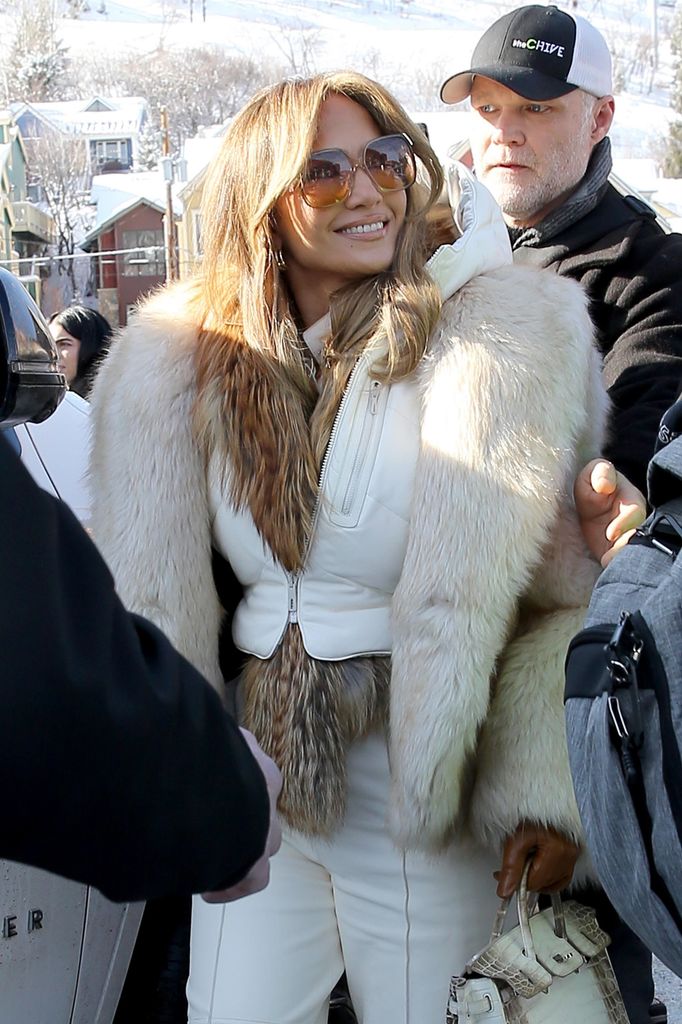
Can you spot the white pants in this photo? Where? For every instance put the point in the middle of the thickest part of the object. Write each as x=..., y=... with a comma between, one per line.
x=399, y=924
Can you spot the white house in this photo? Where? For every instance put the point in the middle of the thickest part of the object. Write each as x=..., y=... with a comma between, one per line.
x=110, y=127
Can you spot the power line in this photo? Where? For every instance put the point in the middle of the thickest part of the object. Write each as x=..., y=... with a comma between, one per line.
x=97, y=254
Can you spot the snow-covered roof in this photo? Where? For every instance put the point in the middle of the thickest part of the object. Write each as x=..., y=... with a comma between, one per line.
x=199, y=151
x=116, y=194
x=110, y=190
x=95, y=116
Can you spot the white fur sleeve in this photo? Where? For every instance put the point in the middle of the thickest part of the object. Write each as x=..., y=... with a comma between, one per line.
x=499, y=435
x=567, y=571
x=150, y=517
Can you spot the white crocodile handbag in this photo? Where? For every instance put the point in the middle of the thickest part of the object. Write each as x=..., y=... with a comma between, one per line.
x=552, y=968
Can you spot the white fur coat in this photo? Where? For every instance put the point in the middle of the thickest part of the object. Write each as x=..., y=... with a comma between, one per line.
x=496, y=574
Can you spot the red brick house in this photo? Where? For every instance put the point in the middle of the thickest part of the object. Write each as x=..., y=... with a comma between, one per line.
x=132, y=260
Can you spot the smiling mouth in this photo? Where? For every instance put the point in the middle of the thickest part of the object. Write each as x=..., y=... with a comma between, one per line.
x=363, y=229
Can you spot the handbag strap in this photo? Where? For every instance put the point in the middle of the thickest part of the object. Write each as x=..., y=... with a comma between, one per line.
x=523, y=911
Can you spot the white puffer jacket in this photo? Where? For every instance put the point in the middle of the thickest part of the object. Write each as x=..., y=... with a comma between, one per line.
x=342, y=602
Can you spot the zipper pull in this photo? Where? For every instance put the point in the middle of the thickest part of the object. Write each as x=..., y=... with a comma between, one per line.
x=292, y=597
x=374, y=391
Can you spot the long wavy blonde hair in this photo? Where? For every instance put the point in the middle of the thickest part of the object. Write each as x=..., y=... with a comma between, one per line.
x=242, y=295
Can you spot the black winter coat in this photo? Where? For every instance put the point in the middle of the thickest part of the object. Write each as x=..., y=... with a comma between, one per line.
x=119, y=766
x=632, y=272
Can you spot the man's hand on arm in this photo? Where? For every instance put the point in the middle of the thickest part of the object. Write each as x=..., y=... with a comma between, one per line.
x=609, y=507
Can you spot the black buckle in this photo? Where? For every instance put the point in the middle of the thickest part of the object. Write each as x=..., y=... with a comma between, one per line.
x=623, y=653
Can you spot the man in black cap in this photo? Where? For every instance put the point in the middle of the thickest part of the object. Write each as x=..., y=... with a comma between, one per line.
x=540, y=88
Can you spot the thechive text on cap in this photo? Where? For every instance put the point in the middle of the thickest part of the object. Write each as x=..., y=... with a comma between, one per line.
x=540, y=53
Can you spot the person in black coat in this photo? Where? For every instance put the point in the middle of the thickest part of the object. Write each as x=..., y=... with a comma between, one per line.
x=631, y=270
x=539, y=141
x=540, y=87
x=120, y=768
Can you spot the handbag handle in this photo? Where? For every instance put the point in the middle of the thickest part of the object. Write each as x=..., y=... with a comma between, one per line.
x=523, y=911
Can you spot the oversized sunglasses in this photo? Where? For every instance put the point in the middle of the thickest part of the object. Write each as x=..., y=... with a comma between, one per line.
x=329, y=174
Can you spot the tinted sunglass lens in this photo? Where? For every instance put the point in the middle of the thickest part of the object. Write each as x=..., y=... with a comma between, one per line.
x=390, y=161
x=326, y=179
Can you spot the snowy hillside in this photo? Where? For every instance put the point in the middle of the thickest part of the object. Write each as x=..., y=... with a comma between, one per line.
x=401, y=32
x=399, y=42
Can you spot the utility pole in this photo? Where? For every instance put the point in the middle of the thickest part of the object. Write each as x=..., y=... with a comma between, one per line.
x=168, y=220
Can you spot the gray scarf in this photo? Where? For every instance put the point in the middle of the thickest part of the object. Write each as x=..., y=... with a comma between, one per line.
x=578, y=205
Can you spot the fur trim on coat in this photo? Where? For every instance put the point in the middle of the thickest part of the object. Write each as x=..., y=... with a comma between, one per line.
x=511, y=408
x=505, y=428
x=150, y=513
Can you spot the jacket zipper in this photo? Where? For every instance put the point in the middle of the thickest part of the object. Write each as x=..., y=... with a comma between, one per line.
x=361, y=450
x=294, y=578
x=292, y=596
x=325, y=461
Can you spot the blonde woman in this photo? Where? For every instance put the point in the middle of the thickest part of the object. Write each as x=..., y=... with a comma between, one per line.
x=383, y=469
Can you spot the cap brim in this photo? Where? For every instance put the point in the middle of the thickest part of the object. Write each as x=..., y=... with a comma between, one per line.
x=527, y=82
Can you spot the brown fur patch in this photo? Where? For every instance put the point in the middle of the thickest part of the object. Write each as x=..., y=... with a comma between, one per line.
x=254, y=412
x=305, y=713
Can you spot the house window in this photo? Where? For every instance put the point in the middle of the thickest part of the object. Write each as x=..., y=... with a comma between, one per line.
x=147, y=258
x=111, y=154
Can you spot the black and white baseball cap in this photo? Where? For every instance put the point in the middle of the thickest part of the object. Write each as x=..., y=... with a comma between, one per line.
x=540, y=53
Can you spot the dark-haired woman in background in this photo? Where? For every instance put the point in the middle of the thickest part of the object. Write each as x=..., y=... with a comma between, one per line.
x=82, y=337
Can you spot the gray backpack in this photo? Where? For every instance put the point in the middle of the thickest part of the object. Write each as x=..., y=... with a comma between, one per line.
x=624, y=719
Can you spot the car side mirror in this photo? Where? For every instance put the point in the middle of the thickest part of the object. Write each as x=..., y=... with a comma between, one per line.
x=31, y=384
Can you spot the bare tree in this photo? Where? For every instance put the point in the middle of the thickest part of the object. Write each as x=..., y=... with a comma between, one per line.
x=75, y=8
x=198, y=86
x=633, y=53
x=36, y=64
x=298, y=47
x=372, y=63
x=420, y=90
x=169, y=17
x=59, y=164
x=672, y=147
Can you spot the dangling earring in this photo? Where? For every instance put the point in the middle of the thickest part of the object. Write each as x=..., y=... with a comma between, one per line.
x=279, y=260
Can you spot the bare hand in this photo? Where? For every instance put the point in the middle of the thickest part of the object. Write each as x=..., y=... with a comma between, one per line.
x=609, y=507
x=259, y=875
x=554, y=858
